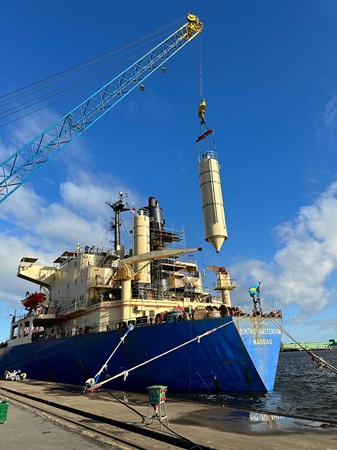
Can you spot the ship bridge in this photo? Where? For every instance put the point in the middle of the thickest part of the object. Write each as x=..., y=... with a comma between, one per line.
x=30, y=271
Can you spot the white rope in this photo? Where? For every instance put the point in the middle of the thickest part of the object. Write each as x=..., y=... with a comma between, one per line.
x=125, y=373
x=105, y=365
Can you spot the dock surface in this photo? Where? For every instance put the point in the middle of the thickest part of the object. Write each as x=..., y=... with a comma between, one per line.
x=188, y=423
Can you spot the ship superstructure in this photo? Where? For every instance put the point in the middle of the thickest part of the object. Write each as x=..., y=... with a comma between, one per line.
x=95, y=290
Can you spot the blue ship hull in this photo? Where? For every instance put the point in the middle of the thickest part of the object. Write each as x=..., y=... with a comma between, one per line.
x=241, y=355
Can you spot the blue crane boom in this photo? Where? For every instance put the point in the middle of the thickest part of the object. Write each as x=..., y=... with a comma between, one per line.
x=25, y=162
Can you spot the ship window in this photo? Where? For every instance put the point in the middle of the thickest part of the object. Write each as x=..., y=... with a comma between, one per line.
x=26, y=332
x=14, y=332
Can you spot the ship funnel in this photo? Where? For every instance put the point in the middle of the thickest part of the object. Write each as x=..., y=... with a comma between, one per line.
x=156, y=214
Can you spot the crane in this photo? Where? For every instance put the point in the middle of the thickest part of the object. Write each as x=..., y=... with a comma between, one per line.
x=25, y=162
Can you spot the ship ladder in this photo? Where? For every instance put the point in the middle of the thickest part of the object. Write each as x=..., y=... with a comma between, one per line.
x=187, y=282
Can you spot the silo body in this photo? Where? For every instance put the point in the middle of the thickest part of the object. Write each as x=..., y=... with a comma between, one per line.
x=211, y=200
x=141, y=243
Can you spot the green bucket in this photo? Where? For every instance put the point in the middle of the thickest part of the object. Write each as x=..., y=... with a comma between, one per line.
x=3, y=411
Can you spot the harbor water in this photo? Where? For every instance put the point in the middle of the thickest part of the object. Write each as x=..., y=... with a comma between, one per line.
x=302, y=389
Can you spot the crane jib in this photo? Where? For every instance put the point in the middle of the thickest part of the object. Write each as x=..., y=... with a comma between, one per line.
x=25, y=162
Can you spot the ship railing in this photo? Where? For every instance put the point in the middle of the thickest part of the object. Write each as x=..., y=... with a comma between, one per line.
x=93, y=250
x=97, y=250
x=93, y=301
x=101, y=327
x=251, y=311
x=174, y=295
x=20, y=317
x=212, y=299
x=209, y=154
x=229, y=285
x=149, y=320
x=42, y=311
x=67, y=309
x=45, y=312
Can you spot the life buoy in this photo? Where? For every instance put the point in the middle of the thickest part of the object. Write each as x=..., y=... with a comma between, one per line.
x=179, y=309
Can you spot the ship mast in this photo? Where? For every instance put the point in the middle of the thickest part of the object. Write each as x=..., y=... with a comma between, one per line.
x=118, y=207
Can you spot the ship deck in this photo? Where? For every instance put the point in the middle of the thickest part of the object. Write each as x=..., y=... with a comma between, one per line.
x=209, y=426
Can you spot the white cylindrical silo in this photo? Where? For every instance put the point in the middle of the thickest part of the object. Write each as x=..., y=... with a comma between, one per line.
x=211, y=199
x=141, y=243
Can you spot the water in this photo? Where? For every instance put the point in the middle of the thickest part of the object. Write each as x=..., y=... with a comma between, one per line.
x=301, y=389
x=304, y=389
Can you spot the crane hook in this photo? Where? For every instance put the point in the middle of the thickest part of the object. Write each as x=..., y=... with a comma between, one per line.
x=202, y=111
x=201, y=116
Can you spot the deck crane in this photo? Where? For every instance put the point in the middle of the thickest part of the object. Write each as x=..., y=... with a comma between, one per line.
x=25, y=162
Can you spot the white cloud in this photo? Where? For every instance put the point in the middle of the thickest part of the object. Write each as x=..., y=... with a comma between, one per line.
x=33, y=227
x=21, y=132
x=330, y=111
x=302, y=268
x=326, y=129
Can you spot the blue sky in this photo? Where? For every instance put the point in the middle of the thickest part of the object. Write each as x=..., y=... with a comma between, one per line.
x=270, y=81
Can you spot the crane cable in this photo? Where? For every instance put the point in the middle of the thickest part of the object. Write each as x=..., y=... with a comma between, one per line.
x=73, y=68
x=321, y=363
x=59, y=79
x=198, y=70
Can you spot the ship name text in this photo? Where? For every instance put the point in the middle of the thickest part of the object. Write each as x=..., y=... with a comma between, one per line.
x=259, y=331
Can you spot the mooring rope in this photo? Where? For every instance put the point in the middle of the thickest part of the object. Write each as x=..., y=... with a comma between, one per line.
x=125, y=373
x=321, y=363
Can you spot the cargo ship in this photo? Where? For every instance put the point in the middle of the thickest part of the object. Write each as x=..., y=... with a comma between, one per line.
x=141, y=316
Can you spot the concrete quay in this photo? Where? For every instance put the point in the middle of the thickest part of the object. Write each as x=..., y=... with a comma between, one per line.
x=204, y=425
